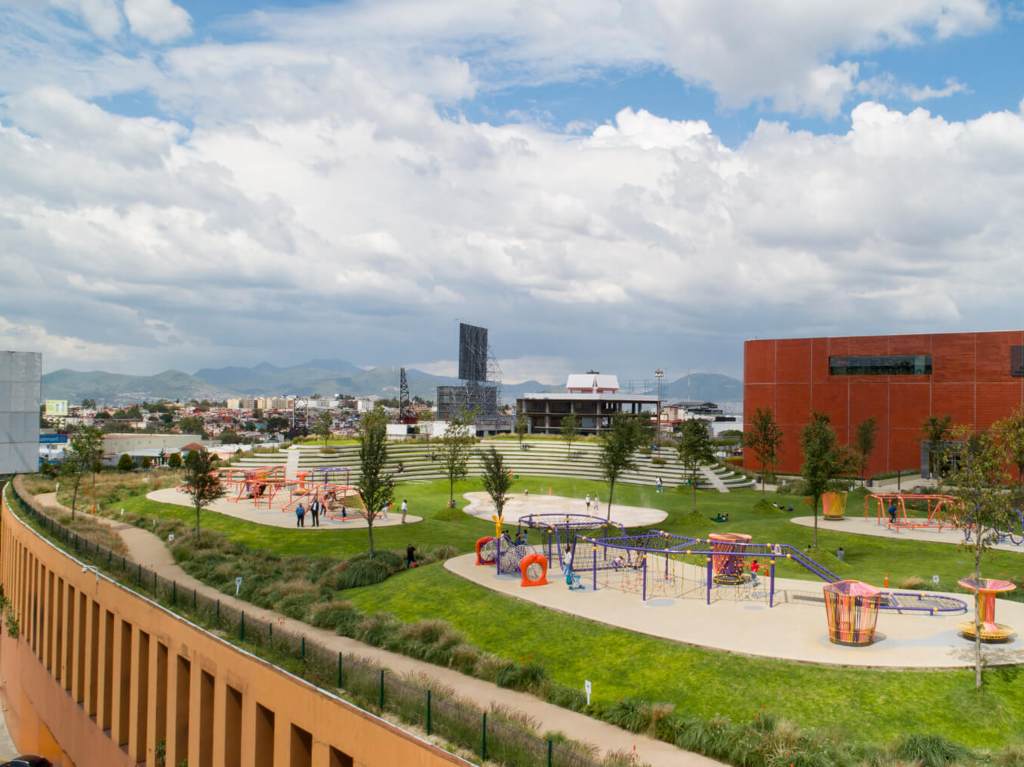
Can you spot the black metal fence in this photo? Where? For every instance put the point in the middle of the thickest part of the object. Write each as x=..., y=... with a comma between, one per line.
x=492, y=735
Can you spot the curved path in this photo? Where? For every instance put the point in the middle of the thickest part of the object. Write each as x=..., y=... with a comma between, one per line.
x=276, y=516
x=480, y=505
x=795, y=629
x=147, y=549
x=859, y=525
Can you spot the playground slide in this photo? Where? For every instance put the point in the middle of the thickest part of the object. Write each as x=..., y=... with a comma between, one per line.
x=900, y=601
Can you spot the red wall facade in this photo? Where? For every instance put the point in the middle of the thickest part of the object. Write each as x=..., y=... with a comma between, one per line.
x=971, y=381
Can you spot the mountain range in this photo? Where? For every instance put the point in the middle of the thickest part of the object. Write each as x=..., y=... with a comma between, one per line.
x=324, y=376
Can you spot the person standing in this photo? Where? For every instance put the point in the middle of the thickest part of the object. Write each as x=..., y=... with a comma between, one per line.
x=410, y=556
x=300, y=516
x=659, y=485
x=405, y=509
x=588, y=502
x=314, y=509
x=892, y=511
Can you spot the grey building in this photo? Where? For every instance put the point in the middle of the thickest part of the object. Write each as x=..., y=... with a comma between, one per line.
x=592, y=397
x=20, y=394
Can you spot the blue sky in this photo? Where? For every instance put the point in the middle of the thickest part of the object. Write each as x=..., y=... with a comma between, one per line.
x=605, y=184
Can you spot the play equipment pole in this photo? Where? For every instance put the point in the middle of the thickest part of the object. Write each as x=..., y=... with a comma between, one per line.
x=645, y=580
x=771, y=583
x=594, y=566
x=709, y=576
x=497, y=556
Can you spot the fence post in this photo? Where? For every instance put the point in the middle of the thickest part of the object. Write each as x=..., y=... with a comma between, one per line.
x=195, y=600
x=174, y=593
x=483, y=737
x=241, y=628
x=551, y=753
x=429, y=718
x=218, y=611
x=270, y=631
x=302, y=645
x=382, y=689
x=341, y=671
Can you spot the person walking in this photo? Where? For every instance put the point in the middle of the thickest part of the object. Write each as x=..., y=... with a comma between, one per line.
x=588, y=502
x=300, y=516
x=659, y=485
x=314, y=510
x=892, y=511
x=405, y=509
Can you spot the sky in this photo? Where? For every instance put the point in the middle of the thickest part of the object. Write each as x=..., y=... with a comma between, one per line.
x=605, y=184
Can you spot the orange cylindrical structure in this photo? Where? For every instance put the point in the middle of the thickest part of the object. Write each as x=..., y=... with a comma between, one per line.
x=534, y=568
x=851, y=608
x=486, y=550
x=726, y=563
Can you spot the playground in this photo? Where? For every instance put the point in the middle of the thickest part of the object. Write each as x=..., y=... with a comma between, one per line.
x=740, y=620
x=522, y=504
x=270, y=496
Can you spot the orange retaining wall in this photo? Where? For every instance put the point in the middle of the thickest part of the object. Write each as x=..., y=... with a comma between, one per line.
x=99, y=676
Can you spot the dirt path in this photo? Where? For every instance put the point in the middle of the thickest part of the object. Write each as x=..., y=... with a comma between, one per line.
x=147, y=549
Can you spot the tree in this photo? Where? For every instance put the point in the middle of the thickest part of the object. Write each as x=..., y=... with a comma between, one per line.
x=1011, y=433
x=191, y=424
x=694, y=449
x=85, y=451
x=174, y=461
x=978, y=480
x=864, y=443
x=125, y=462
x=322, y=426
x=936, y=431
x=618, y=443
x=764, y=437
x=375, y=486
x=569, y=431
x=201, y=482
x=497, y=480
x=824, y=460
x=456, y=443
x=522, y=427
x=230, y=437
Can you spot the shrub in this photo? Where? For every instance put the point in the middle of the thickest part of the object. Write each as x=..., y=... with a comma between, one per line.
x=928, y=750
x=430, y=640
x=364, y=572
x=658, y=461
x=1012, y=756
x=633, y=714
x=464, y=658
x=567, y=697
x=438, y=554
x=174, y=461
x=331, y=615
x=913, y=582
x=521, y=676
x=377, y=629
x=125, y=462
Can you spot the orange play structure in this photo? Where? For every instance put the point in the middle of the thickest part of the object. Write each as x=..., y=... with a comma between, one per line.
x=262, y=485
x=534, y=569
x=943, y=511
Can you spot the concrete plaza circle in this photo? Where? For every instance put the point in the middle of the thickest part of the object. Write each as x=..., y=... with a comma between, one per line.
x=278, y=515
x=521, y=505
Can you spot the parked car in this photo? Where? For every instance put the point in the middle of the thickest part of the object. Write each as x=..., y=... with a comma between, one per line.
x=28, y=760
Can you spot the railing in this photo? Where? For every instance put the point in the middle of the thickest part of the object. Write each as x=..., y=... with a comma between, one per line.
x=489, y=734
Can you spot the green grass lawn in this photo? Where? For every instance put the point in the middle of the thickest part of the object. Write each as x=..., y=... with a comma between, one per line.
x=868, y=705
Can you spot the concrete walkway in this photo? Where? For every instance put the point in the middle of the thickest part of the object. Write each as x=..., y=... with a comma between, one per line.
x=739, y=619
x=281, y=514
x=714, y=480
x=481, y=506
x=859, y=525
x=7, y=748
x=147, y=549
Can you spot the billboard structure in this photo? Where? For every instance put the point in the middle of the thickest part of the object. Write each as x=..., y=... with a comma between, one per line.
x=479, y=392
x=20, y=390
x=472, y=352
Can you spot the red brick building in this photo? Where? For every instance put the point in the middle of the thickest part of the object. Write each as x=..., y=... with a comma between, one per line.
x=977, y=378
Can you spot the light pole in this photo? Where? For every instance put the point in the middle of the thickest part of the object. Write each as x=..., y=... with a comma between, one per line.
x=659, y=374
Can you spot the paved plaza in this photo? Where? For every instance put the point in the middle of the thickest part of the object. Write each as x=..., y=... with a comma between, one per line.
x=520, y=505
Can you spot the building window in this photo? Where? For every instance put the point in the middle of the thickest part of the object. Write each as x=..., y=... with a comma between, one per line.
x=883, y=365
x=1017, y=361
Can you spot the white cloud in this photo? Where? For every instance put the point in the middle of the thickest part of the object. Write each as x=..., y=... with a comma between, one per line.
x=158, y=21
x=886, y=86
x=102, y=17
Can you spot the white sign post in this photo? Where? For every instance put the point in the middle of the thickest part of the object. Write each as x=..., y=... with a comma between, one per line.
x=935, y=580
x=238, y=584
x=587, y=688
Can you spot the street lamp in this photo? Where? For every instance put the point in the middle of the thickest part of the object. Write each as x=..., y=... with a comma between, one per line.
x=659, y=374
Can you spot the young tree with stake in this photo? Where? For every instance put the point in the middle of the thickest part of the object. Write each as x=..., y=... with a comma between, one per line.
x=978, y=480
x=497, y=481
x=694, y=449
x=456, y=444
x=84, y=456
x=522, y=427
x=824, y=460
x=201, y=483
x=322, y=426
x=375, y=486
x=618, y=443
x=764, y=437
x=569, y=430
x=936, y=431
x=864, y=443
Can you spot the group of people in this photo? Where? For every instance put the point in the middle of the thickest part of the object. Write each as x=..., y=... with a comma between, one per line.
x=316, y=509
x=592, y=500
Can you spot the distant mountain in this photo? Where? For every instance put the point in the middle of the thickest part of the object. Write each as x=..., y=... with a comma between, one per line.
x=324, y=376
x=704, y=386
x=118, y=389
